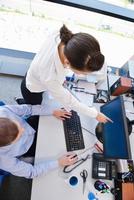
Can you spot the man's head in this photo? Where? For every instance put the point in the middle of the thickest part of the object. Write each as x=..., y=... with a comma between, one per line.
x=10, y=131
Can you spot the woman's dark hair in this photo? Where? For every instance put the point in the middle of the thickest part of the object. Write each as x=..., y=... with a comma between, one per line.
x=82, y=50
x=8, y=131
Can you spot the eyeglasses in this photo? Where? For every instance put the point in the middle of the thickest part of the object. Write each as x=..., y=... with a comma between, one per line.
x=68, y=169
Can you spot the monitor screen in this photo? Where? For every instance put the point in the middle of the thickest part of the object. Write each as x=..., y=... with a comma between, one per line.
x=115, y=135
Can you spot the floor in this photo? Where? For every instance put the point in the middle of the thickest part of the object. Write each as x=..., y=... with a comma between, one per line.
x=10, y=87
x=13, y=188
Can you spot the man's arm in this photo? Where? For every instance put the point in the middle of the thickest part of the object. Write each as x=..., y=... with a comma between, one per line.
x=26, y=110
x=27, y=170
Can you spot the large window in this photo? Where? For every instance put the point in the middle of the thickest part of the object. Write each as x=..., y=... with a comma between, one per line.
x=123, y=3
x=25, y=23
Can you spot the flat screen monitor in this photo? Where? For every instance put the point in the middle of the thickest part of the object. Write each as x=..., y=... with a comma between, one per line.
x=115, y=135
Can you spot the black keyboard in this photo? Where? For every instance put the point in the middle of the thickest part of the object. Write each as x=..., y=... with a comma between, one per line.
x=73, y=133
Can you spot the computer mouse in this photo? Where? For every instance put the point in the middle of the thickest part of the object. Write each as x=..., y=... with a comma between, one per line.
x=75, y=156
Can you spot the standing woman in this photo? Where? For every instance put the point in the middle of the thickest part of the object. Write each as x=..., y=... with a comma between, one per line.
x=80, y=52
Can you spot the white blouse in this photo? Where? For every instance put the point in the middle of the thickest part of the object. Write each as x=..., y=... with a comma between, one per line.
x=48, y=73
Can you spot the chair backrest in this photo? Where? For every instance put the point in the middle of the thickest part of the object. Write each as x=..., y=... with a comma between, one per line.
x=1, y=179
x=2, y=103
x=3, y=174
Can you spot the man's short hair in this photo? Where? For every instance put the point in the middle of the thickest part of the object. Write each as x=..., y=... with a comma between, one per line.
x=8, y=131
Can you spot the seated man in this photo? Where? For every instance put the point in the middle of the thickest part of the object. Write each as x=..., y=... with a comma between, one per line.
x=17, y=136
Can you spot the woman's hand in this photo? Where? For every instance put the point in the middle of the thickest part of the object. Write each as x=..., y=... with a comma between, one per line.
x=103, y=118
x=67, y=160
x=61, y=114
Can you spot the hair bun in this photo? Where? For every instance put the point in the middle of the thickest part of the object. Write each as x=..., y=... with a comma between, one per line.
x=96, y=54
x=65, y=34
x=96, y=61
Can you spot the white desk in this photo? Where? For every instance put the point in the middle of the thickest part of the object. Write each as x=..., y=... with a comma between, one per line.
x=51, y=144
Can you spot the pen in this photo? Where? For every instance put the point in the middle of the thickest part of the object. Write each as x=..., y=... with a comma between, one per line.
x=86, y=92
x=78, y=88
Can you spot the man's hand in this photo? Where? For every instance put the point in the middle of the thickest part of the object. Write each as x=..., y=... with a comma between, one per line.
x=103, y=118
x=67, y=160
x=61, y=114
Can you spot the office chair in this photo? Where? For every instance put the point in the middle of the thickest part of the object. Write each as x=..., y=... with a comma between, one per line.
x=3, y=174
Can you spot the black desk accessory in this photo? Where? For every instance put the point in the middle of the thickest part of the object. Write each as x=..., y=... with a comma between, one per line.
x=99, y=132
x=103, y=168
x=101, y=186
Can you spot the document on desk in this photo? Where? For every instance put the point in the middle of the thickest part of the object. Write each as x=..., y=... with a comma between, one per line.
x=84, y=98
x=82, y=93
x=87, y=95
x=89, y=87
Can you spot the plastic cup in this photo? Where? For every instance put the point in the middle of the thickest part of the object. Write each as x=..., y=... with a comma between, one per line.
x=73, y=181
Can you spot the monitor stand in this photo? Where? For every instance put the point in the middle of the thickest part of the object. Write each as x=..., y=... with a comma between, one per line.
x=99, y=129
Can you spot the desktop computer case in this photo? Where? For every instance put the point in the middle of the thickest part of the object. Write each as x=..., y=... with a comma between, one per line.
x=122, y=85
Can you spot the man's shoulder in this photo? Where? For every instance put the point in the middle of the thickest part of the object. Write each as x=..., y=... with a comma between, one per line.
x=3, y=110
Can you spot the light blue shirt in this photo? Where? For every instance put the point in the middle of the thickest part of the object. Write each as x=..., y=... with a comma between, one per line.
x=9, y=154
